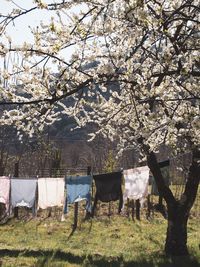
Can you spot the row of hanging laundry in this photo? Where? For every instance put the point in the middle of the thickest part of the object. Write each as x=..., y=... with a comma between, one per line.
x=50, y=192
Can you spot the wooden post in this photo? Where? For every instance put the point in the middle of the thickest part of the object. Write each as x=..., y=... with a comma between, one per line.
x=120, y=202
x=128, y=203
x=92, y=195
x=16, y=170
x=109, y=209
x=89, y=170
x=75, y=216
x=16, y=174
x=152, y=201
x=94, y=205
x=148, y=207
x=137, y=209
x=34, y=208
x=88, y=214
x=133, y=209
x=160, y=201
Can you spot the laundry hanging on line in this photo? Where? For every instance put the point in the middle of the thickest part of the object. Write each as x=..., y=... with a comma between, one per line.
x=136, y=183
x=23, y=192
x=50, y=192
x=164, y=168
x=77, y=189
x=5, y=191
x=108, y=188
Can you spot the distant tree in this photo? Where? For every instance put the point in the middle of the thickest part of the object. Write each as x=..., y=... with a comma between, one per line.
x=110, y=162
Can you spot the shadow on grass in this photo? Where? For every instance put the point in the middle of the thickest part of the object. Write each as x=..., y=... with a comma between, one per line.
x=49, y=257
x=74, y=227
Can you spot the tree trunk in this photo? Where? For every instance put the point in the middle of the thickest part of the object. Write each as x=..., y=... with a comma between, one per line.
x=178, y=211
x=176, y=237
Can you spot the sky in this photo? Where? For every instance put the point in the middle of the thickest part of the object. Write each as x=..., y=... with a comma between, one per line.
x=19, y=31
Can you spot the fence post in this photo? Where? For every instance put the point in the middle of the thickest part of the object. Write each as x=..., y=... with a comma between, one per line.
x=133, y=209
x=137, y=209
x=148, y=207
x=89, y=170
x=88, y=214
x=160, y=201
x=75, y=216
x=128, y=203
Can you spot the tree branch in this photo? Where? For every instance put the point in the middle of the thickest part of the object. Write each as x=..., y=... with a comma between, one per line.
x=49, y=100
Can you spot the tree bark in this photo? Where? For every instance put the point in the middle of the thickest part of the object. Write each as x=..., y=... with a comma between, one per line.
x=178, y=211
x=176, y=237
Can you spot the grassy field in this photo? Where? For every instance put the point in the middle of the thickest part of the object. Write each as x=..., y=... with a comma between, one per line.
x=102, y=241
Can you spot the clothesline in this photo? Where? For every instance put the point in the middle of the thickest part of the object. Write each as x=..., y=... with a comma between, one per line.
x=61, y=191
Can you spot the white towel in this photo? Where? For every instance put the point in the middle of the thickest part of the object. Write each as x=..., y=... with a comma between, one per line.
x=136, y=183
x=50, y=192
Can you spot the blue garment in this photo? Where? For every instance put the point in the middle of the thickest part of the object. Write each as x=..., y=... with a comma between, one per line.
x=78, y=188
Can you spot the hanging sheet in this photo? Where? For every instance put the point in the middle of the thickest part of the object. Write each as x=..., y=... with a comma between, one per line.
x=23, y=192
x=136, y=183
x=50, y=192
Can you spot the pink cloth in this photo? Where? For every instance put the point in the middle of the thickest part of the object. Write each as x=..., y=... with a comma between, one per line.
x=5, y=191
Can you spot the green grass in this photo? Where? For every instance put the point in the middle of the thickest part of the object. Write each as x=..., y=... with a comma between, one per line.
x=102, y=241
